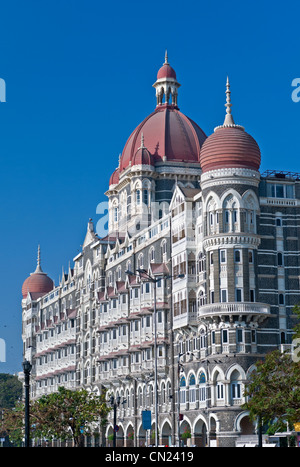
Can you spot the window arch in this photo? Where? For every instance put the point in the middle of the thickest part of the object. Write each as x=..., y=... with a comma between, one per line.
x=231, y=213
x=236, y=386
x=251, y=207
x=192, y=388
x=163, y=393
x=140, y=261
x=163, y=247
x=201, y=298
x=212, y=217
x=182, y=390
x=202, y=387
x=201, y=263
x=152, y=255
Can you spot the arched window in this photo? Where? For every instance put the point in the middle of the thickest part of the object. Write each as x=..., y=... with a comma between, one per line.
x=212, y=217
x=202, y=387
x=116, y=214
x=128, y=266
x=119, y=273
x=236, y=386
x=192, y=388
x=163, y=393
x=127, y=399
x=220, y=393
x=140, y=397
x=140, y=261
x=138, y=197
x=163, y=249
x=231, y=217
x=146, y=197
x=201, y=298
x=152, y=255
x=182, y=390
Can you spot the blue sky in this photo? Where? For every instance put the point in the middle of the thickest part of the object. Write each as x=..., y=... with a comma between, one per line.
x=79, y=79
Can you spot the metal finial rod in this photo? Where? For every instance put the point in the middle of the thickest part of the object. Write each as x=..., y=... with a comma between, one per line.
x=228, y=104
x=142, y=146
x=39, y=256
x=166, y=57
x=228, y=118
x=38, y=266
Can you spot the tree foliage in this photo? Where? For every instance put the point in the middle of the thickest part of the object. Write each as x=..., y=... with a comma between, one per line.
x=12, y=423
x=64, y=415
x=10, y=390
x=273, y=390
x=68, y=414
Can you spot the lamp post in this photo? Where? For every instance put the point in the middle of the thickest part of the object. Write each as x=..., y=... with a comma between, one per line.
x=153, y=280
x=178, y=399
x=115, y=404
x=27, y=369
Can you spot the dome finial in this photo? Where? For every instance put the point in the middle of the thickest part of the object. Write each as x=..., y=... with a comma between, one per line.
x=228, y=118
x=166, y=57
x=142, y=146
x=38, y=266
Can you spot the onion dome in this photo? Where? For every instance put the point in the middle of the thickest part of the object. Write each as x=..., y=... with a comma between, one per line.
x=114, y=179
x=38, y=283
x=166, y=71
x=229, y=146
x=142, y=156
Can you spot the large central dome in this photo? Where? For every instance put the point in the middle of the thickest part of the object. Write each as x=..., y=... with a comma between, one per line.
x=167, y=133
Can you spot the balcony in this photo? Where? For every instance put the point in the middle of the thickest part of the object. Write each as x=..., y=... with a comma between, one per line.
x=248, y=310
x=185, y=319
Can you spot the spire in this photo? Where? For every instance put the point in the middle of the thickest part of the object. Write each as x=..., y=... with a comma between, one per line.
x=228, y=122
x=142, y=146
x=166, y=58
x=228, y=118
x=38, y=266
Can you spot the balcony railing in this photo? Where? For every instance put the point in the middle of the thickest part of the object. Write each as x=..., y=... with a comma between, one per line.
x=233, y=308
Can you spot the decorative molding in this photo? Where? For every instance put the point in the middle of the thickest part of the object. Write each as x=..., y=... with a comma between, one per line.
x=223, y=240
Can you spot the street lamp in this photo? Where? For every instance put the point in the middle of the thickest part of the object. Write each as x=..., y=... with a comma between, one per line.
x=115, y=404
x=154, y=281
x=27, y=369
x=178, y=398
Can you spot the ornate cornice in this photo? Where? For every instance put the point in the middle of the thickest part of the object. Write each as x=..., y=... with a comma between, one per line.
x=219, y=240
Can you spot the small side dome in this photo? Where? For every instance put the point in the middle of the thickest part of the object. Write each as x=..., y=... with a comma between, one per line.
x=115, y=177
x=229, y=146
x=38, y=283
x=142, y=155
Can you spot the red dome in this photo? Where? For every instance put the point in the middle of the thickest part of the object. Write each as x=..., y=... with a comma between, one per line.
x=230, y=147
x=169, y=134
x=114, y=179
x=142, y=157
x=166, y=71
x=38, y=284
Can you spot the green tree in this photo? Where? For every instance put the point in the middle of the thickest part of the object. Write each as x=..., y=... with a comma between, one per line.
x=12, y=423
x=273, y=390
x=68, y=414
x=10, y=390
